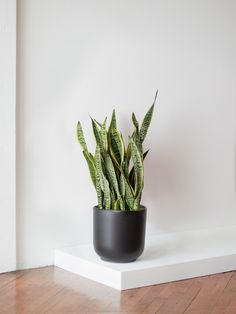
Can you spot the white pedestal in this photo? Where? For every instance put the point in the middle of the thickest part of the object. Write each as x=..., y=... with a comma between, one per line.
x=166, y=258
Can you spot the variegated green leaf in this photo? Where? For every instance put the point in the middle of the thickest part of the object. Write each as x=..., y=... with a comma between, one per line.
x=116, y=205
x=112, y=174
x=122, y=185
x=107, y=195
x=117, y=146
x=131, y=174
x=103, y=135
x=92, y=157
x=128, y=156
x=112, y=154
x=147, y=120
x=80, y=136
x=138, y=167
x=113, y=124
x=91, y=166
x=102, y=179
x=123, y=144
x=96, y=132
x=113, y=199
x=113, y=179
x=126, y=169
x=99, y=190
x=136, y=205
x=129, y=195
x=137, y=141
x=98, y=123
x=135, y=122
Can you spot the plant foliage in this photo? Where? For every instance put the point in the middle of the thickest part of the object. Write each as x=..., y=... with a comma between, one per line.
x=117, y=172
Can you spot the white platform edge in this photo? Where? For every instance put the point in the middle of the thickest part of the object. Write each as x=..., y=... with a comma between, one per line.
x=144, y=277
x=88, y=269
x=180, y=271
x=180, y=256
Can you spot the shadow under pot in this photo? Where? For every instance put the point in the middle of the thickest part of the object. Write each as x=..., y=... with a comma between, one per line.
x=119, y=236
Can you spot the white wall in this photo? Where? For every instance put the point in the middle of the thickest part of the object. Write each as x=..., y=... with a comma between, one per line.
x=7, y=134
x=81, y=57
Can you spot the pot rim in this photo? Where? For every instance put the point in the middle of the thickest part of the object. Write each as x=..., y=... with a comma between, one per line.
x=142, y=208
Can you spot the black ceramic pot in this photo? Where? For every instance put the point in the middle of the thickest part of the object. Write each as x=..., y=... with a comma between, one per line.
x=119, y=236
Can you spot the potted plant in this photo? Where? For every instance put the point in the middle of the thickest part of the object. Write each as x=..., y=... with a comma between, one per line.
x=117, y=173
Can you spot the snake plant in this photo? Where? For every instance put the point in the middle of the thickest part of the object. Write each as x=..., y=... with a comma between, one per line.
x=117, y=171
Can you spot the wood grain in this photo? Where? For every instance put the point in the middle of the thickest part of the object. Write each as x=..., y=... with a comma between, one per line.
x=51, y=290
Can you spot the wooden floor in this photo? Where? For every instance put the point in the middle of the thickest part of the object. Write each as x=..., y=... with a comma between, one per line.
x=53, y=290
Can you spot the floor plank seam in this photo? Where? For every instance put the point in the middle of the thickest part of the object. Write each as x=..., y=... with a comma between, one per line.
x=191, y=302
x=228, y=282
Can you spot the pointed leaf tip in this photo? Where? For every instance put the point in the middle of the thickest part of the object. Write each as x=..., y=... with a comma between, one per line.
x=80, y=136
x=147, y=120
x=155, y=98
x=113, y=124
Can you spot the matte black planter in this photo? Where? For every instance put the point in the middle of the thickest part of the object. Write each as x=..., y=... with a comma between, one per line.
x=119, y=236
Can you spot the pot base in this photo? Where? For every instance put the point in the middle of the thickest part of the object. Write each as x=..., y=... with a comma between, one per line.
x=116, y=261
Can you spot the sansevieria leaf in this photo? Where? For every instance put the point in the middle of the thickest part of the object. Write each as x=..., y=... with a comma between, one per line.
x=138, y=167
x=102, y=179
x=128, y=157
x=136, y=205
x=113, y=124
x=113, y=198
x=98, y=123
x=135, y=122
x=113, y=179
x=136, y=138
x=80, y=136
x=117, y=146
x=147, y=120
x=96, y=133
x=91, y=166
x=122, y=185
x=116, y=205
x=103, y=135
x=129, y=195
x=99, y=190
x=131, y=174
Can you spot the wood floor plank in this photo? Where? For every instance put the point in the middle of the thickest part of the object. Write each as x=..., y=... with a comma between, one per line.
x=152, y=295
x=31, y=292
x=6, y=278
x=51, y=290
x=227, y=299
x=80, y=295
x=211, y=289
x=131, y=297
